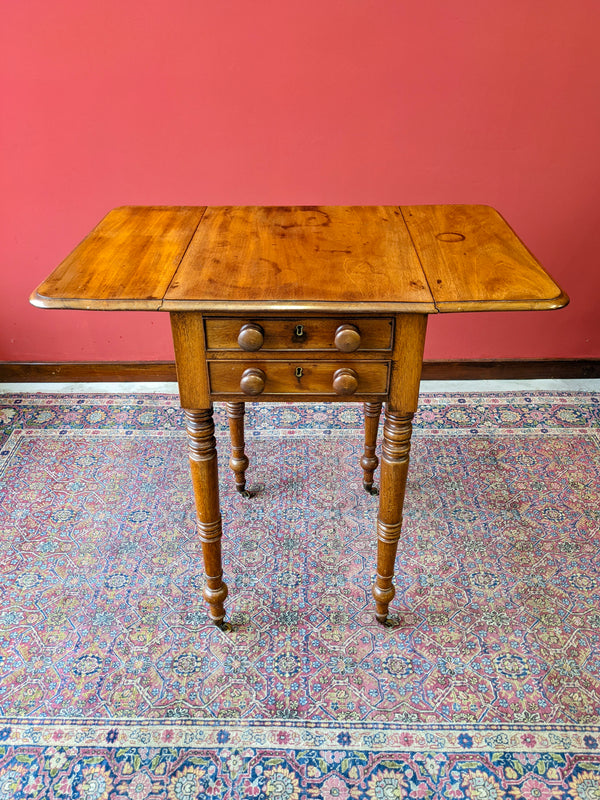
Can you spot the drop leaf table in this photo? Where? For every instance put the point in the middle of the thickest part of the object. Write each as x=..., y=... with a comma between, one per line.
x=305, y=303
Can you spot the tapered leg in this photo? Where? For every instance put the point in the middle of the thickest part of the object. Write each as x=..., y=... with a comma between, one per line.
x=397, y=430
x=238, y=461
x=203, y=462
x=369, y=461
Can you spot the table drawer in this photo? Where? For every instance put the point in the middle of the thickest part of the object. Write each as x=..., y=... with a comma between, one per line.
x=327, y=378
x=341, y=334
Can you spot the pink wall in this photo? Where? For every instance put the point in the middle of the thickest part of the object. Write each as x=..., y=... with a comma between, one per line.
x=319, y=101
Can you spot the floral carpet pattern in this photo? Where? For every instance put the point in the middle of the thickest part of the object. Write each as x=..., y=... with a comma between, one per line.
x=114, y=684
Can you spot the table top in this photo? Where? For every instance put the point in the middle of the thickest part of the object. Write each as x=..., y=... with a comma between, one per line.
x=423, y=259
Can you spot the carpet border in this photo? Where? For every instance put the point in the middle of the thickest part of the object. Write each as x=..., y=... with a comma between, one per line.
x=380, y=737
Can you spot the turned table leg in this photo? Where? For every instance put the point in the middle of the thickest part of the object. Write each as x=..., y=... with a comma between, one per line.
x=403, y=397
x=238, y=461
x=203, y=462
x=369, y=461
x=397, y=429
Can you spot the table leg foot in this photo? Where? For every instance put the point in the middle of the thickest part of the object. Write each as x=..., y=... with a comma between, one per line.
x=238, y=461
x=397, y=432
x=215, y=591
x=369, y=461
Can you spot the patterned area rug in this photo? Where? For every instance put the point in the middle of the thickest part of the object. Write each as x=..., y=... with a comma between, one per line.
x=113, y=684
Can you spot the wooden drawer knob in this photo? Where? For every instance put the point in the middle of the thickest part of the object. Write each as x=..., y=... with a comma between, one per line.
x=345, y=381
x=347, y=338
x=253, y=381
x=251, y=337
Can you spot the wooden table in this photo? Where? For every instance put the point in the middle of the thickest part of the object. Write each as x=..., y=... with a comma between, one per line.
x=307, y=303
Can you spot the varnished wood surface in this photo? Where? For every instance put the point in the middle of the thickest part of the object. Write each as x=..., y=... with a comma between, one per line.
x=402, y=400
x=301, y=259
x=475, y=262
x=334, y=261
x=369, y=460
x=239, y=460
x=300, y=255
x=299, y=333
x=190, y=358
x=127, y=262
x=202, y=451
x=314, y=382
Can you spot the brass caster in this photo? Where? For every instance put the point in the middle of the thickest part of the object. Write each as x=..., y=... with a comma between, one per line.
x=222, y=625
x=370, y=489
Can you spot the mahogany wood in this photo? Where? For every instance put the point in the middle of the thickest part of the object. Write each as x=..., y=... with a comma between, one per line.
x=377, y=259
x=239, y=460
x=347, y=338
x=190, y=358
x=251, y=337
x=369, y=460
x=345, y=381
x=252, y=381
x=126, y=262
x=401, y=404
x=298, y=333
x=397, y=430
x=475, y=262
x=298, y=255
x=205, y=478
x=342, y=296
x=316, y=380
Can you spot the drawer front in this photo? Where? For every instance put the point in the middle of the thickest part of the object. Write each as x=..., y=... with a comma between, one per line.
x=253, y=379
x=310, y=333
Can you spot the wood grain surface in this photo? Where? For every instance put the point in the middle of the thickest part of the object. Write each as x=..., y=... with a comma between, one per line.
x=127, y=261
x=299, y=333
x=282, y=377
x=301, y=259
x=474, y=261
x=299, y=255
x=196, y=263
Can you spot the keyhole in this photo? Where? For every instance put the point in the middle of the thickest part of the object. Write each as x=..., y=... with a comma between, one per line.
x=298, y=372
x=299, y=330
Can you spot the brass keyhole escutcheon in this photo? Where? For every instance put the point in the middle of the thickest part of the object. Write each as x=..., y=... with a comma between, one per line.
x=299, y=372
x=299, y=330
